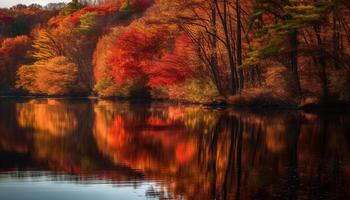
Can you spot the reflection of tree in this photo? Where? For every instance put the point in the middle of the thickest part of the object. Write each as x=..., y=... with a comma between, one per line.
x=197, y=153
x=292, y=171
x=63, y=142
x=241, y=155
x=11, y=139
x=157, y=142
x=164, y=146
x=49, y=116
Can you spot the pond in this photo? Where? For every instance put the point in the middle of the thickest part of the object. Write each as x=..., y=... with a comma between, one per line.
x=98, y=149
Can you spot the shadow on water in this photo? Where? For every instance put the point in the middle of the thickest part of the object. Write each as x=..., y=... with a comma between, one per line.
x=184, y=152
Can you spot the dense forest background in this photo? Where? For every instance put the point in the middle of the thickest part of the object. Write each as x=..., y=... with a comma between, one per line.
x=252, y=52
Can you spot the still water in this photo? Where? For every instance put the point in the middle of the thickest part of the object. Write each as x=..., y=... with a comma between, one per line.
x=101, y=150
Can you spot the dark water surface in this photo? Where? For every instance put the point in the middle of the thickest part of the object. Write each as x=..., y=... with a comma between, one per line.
x=101, y=150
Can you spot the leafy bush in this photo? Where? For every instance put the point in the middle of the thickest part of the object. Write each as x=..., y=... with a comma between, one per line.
x=200, y=90
x=263, y=97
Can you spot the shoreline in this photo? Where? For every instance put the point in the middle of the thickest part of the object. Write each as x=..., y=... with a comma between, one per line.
x=222, y=103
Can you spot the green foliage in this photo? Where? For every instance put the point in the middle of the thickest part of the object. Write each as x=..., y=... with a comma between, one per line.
x=106, y=87
x=268, y=50
x=276, y=20
x=71, y=8
x=126, y=7
x=126, y=10
x=200, y=90
x=87, y=22
x=194, y=90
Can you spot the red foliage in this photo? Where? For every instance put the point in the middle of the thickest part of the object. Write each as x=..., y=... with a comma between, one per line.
x=101, y=10
x=98, y=10
x=12, y=48
x=141, y=5
x=12, y=55
x=133, y=54
x=4, y=18
x=183, y=44
x=137, y=54
x=173, y=67
x=5, y=23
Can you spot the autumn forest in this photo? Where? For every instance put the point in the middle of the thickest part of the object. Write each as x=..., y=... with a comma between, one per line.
x=244, y=52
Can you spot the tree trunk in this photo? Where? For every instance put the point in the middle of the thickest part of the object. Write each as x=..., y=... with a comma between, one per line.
x=336, y=39
x=239, y=45
x=213, y=50
x=323, y=65
x=294, y=43
x=230, y=55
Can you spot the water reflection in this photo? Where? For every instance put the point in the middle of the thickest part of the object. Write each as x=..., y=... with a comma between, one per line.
x=179, y=152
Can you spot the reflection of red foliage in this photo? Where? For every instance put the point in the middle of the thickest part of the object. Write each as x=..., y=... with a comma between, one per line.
x=160, y=143
x=157, y=122
x=118, y=133
x=185, y=152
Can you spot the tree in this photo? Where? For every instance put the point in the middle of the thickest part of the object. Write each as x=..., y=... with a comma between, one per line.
x=239, y=44
x=20, y=26
x=174, y=67
x=87, y=22
x=71, y=8
x=12, y=54
x=6, y=22
x=48, y=44
x=225, y=22
x=56, y=76
x=133, y=53
x=283, y=21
